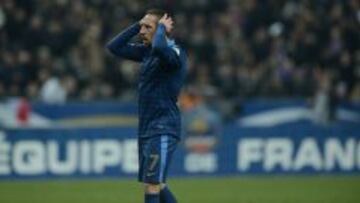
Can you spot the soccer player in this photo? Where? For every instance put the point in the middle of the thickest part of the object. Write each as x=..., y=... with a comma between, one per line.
x=162, y=73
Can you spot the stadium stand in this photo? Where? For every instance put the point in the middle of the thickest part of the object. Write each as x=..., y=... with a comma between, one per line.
x=236, y=49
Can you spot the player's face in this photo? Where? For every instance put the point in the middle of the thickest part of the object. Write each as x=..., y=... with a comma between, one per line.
x=148, y=27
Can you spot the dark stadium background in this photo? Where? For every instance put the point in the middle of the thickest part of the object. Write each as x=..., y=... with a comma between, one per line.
x=245, y=57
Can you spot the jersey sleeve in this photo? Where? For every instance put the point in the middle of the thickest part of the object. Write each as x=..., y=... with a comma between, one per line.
x=160, y=47
x=120, y=46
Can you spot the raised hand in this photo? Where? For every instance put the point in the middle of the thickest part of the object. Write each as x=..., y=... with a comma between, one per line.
x=168, y=22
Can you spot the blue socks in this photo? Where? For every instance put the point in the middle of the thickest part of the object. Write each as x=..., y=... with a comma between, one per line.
x=166, y=196
x=152, y=198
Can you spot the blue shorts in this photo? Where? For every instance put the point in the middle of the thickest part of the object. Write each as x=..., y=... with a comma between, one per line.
x=155, y=154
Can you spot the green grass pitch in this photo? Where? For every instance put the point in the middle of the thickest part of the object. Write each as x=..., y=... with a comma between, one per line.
x=303, y=189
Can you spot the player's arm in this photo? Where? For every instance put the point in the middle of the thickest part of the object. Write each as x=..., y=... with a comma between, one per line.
x=120, y=46
x=171, y=55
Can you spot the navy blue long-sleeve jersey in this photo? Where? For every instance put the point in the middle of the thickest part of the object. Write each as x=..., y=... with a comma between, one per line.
x=162, y=74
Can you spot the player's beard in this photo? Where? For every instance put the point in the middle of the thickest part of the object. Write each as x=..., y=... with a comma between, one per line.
x=144, y=40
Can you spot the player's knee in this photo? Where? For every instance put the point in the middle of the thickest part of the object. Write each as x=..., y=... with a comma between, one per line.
x=152, y=188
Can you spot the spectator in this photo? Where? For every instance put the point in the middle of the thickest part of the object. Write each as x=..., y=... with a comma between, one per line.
x=247, y=48
x=53, y=91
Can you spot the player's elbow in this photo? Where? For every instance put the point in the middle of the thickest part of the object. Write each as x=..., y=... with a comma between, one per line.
x=110, y=47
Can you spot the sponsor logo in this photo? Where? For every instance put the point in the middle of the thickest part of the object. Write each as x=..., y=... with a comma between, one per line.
x=150, y=174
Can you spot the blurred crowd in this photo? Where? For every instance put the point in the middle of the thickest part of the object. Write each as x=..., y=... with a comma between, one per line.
x=54, y=50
